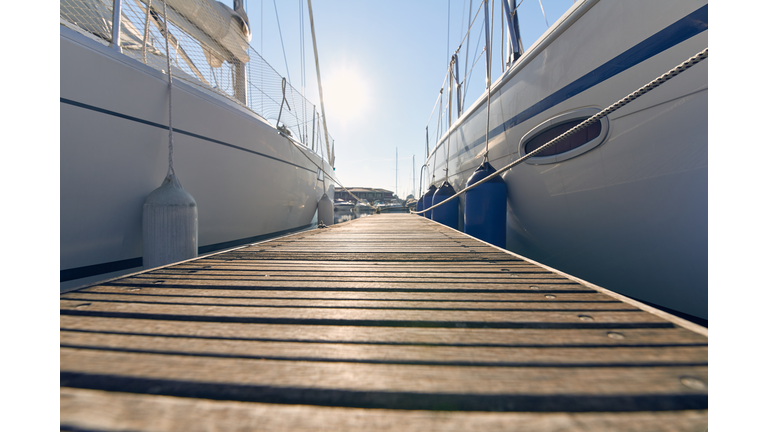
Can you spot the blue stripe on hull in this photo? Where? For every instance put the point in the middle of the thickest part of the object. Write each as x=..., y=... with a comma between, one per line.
x=680, y=31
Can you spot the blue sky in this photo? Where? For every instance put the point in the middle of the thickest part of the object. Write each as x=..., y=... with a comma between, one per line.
x=382, y=65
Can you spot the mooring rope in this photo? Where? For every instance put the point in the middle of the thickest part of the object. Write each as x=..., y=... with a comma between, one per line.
x=170, y=93
x=629, y=98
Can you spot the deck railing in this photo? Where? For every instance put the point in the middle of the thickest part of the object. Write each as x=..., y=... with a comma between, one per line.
x=207, y=50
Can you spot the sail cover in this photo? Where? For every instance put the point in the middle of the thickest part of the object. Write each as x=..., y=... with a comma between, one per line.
x=222, y=32
x=214, y=24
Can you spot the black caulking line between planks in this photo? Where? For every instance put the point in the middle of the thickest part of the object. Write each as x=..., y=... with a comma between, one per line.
x=374, y=323
x=623, y=344
x=385, y=399
x=373, y=289
x=465, y=300
x=593, y=364
x=449, y=309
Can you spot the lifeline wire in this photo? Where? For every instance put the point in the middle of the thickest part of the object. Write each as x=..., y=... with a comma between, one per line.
x=301, y=150
x=629, y=98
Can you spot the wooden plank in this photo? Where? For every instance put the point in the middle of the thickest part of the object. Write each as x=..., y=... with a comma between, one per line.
x=396, y=270
x=476, y=337
x=386, y=317
x=528, y=295
x=382, y=256
x=270, y=277
x=362, y=385
x=99, y=410
x=518, y=285
x=226, y=260
x=355, y=304
x=397, y=354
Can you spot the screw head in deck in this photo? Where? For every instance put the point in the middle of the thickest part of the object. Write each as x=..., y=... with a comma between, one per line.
x=693, y=383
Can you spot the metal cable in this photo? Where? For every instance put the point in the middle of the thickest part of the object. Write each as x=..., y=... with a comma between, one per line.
x=281, y=42
x=466, y=35
x=629, y=98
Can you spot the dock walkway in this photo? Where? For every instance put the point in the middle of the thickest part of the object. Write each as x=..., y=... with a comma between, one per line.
x=388, y=322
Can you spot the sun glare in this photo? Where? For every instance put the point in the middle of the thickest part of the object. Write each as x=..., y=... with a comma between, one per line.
x=346, y=94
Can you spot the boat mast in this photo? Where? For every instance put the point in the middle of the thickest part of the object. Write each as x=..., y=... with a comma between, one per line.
x=515, y=44
x=319, y=84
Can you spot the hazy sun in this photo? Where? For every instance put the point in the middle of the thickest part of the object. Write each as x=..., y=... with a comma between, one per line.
x=346, y=93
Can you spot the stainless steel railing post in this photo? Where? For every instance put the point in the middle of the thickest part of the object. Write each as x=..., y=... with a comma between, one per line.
x=116, y=5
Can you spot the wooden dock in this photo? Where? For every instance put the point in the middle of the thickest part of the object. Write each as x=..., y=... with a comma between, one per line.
x=388, y=322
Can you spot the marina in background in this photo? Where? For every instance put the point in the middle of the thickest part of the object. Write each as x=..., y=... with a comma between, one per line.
x=552, y=272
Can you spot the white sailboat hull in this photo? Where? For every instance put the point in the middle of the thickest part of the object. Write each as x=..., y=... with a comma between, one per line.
x=247, y=179
x=630, y=214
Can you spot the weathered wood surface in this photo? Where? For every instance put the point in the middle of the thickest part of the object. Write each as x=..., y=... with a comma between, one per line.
x=386, y=322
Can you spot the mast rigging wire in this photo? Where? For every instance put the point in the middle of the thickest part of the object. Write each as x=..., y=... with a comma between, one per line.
x=280, y=32
x=545, y=15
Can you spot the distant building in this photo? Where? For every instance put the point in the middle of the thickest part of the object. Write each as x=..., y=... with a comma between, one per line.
x=370, y=194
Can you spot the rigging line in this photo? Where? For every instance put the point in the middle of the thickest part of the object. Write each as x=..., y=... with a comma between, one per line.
x=479, y=56
x=473, y=66
x=280, y=32
x=469, y=73
x=146, y=33
x=488, y=53
x=448, y=39
x=433, y=107
x=502, y=38
x=303, y=77
x=170, y=93
x=439, y=98
x=492, y=9
x=261, y=41
x=466, y=57
x=517, y=7
x=545, y=15
x=470, y=27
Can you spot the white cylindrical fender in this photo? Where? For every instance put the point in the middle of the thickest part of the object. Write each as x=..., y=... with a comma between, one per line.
x=169, y=225
x=325, y=211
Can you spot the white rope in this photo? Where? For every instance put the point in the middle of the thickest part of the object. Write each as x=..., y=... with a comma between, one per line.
x=170, y=88
x=629, y=98
x=284, y=101
x=146, y=33
x=488, y=83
